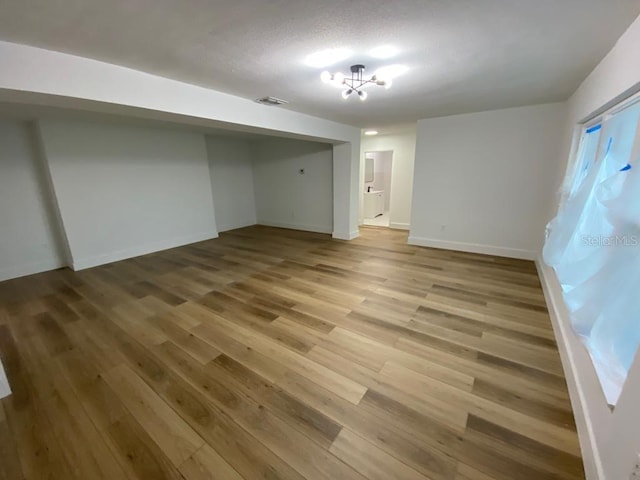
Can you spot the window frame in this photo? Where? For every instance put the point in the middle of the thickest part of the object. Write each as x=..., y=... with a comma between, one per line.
x=579, y=136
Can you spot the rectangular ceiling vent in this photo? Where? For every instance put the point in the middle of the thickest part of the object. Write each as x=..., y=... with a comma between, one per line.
x=271, y=101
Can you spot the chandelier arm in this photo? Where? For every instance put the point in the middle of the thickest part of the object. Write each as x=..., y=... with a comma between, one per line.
x=361, y=84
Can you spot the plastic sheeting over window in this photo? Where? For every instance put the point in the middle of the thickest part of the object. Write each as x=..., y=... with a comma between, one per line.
x=594, y=246
x=586, y=156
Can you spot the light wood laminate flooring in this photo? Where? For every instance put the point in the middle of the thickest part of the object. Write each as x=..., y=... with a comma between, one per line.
x=276, y=354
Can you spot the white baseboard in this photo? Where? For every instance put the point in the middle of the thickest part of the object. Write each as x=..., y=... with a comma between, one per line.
x=473, y=248
x=345, y=236
x=562, y=329
x=296, y=226
x=7, y=273
x=399, y=226
x=5, y=390
x=235, y=226
x=139, y=250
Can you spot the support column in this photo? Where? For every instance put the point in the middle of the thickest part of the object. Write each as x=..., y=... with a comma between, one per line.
x=346, y=175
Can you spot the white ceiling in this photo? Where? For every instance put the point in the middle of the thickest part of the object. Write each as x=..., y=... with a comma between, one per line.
x=463, y=55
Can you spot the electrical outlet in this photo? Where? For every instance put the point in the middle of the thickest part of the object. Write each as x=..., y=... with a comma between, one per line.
x=635, y=471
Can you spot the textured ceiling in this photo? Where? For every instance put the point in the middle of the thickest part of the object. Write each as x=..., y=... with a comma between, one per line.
x=463, y=55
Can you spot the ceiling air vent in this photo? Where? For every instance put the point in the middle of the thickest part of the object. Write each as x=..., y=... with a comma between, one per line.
x=271, y=101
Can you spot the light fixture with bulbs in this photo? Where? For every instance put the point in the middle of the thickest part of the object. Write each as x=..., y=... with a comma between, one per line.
x=356, y=82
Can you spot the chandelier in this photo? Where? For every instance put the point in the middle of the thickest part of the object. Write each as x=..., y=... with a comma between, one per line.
x=355, y=83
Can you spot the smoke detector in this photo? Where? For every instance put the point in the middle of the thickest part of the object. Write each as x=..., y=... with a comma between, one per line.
x=271, y=101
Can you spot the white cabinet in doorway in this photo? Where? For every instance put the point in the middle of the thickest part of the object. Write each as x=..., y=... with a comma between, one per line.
x=373, y=204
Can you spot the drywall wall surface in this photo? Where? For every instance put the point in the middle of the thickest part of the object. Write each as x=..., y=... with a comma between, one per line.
x=125, y=191
x=347, y=192
x=230, y=165
x=293, y=183
x=482, y=181
x=615, y=77
x=37, y=75
x=403, y=145
x=29, y=239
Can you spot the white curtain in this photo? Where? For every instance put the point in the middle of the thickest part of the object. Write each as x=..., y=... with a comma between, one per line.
x=594, y=246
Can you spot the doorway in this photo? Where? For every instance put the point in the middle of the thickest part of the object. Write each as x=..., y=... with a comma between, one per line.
x=377, y=187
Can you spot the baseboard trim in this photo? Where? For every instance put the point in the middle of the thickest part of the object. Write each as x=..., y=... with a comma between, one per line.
x=473, y=248
x=346, y=236
x=96, y=260
x=9, y=273
x=295, y=226
x=5, y=390
x=226, y=228
x=560, y=322
x=399, y=226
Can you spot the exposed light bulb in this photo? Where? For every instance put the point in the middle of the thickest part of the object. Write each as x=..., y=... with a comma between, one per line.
x=388, y=83
x=326, y=77
x=363, y=95
x=346, y=93
x=338, y=78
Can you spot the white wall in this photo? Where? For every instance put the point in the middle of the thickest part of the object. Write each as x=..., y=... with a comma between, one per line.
x=403, y=145
x=125, y=191
x=286, y=198
x=38, y=76
x=29, y=73
x=29, y=240
x=348, y=171
x=610, y=441
x=230, y=166
x=482, y=180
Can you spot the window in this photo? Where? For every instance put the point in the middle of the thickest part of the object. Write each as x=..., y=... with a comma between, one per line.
x=586, y=156
x=594, y=244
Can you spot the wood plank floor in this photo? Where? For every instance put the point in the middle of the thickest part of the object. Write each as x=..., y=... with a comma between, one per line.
x=275, y=354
